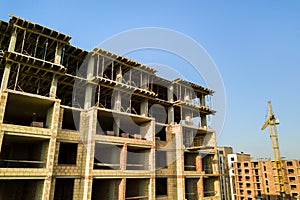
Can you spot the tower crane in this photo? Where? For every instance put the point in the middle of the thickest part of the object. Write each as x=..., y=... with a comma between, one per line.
x=272, y=121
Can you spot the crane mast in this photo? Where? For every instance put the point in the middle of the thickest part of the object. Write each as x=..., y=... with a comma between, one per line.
x=272, y=122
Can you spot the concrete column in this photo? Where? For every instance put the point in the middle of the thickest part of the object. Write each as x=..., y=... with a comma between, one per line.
x=144, y=81
x=151, y=188
x=215, y=166
x=6, y=73
x=217, y=187
x=171, y=115
x=89, y=88
x=170, y=93
x=116, y=126
x=144, y=108
x=180, y=164
x=49, y=117
x=51, y=151
x=199, y=164
x=122, y=189
x=88, y=129
x=123, y=157
x=53, y=87
x=5, y=77
x=187, y=96
x=171, y=108
x=119, y=74
x=200, y=188
x=13, y=41
x=202, y=100
x=117, y=100
x=58, y=53
x=1, y=139
x=203, y=120
x=151, y=163
x=188, y=116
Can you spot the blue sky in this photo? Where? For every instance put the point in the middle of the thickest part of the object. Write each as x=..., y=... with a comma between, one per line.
x=255, y=45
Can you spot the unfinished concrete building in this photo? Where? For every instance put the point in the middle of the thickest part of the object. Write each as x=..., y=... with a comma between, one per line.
x=258, y=179
x=223, y=153
x=80, y=125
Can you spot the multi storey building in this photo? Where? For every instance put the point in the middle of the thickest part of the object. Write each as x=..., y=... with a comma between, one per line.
x=223, y=153
x=97, y=125
x=258, y=179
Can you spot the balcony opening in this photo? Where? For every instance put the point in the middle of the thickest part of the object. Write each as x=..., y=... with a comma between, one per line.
x=209, y=187
x=137, y=158
x=161, y=91
x=106, y=188
x=105, y=100
x=130, y=103
x=21, y=189
x=161, y=159
x=161, y=187
x=67, y=153
x=107, y=156
x=190, y=161
x=137, y=188
x=290, y=171
x=123, y=125
x=39, y=83
x=177, y=115
x=64, y=189
x=160, y=132
x=191, y=190
x=159, y=112
x=23, y=152
x=28, y=111
x=207, y=164
x=71, y=119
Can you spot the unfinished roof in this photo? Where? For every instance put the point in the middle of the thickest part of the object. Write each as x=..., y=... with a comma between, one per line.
x=38, y=29
x=194, y=86
x=126, y=61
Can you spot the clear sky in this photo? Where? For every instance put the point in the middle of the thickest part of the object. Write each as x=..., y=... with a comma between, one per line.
x=255, y=45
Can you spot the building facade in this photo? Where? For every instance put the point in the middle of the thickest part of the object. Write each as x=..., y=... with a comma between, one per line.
x=258, y=179
x=97, y=125
x=223, y=153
